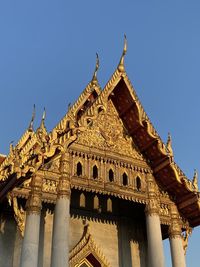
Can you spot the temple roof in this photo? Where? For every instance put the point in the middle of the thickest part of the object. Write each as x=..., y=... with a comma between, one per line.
x=21, y=161
x=2, y=158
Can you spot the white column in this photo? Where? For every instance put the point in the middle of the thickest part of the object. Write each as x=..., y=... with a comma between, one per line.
x=154, y=236
x=177, y=252
x=60, y=243
x=29, y=254
x=176, y=244
x=60, y=240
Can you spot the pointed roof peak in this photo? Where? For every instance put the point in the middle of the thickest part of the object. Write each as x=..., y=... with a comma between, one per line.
x=94, y=78
x=42, y=124
x=121, y=63
x=30, y=128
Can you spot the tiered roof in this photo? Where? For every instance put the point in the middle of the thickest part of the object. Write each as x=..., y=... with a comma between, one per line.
x=35, y=148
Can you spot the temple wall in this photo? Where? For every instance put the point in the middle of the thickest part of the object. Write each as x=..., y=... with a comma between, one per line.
x=10, y=242
x=122, y=241
x=104, y=234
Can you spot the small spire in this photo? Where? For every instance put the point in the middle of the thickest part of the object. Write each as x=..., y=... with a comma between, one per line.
x=11, y=147
x=32, y=119
x=94, y=78
x=43, y=118
x=169, y=145
x=44, y=114
x=121, y=63
x=195, y=180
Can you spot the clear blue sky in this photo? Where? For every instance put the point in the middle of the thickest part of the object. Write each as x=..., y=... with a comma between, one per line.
x=47, y=57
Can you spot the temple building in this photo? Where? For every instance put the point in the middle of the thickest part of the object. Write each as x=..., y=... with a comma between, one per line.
x=100, y=190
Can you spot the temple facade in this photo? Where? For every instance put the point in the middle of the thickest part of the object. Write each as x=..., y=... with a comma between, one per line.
x=100, y=190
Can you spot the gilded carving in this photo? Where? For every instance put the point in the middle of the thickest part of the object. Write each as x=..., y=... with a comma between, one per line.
x=185, y=237
x=107, y=133
x=83, y=248
x=19, y=214
x=164, y=210
x=152, y=207
x=191, y=185
x=49, y=186
x=175, y=229
x=34, y=202
x=195, y=181
x=169, y=146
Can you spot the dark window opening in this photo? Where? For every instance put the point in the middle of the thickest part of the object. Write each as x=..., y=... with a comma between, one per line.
x=95, y=172
x=111, y=175
x=93, y=261
x=100, y=109
x=125, y=179
x=79, y=169
x=138, y=183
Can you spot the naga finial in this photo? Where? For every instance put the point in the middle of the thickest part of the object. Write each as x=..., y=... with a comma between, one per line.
x=195, y=180
x=169, y=145
x=32, y=119
x=11, y=147
x=121, y=63
x=94, y=78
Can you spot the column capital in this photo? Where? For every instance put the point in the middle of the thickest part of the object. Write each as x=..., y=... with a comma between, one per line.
x=175, y=227
x=34, y=202
x=63, y=189
x=152, y=207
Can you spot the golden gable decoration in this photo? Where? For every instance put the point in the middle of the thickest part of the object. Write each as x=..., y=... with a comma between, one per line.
x=107, y=133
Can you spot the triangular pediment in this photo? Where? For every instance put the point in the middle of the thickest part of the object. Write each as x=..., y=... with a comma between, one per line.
x=106, y=132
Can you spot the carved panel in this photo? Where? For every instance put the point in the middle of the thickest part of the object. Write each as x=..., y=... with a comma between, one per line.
x=107, y=133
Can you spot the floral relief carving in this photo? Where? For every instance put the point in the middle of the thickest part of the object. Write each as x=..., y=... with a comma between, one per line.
x=107, y=133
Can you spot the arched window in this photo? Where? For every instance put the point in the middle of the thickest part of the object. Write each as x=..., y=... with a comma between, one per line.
x=124, y=179
x=138, y=183
x=109, y=205
x=79, y=169
x=96, y=203
x=82, y=200
x=95, y=172
x=111, y=175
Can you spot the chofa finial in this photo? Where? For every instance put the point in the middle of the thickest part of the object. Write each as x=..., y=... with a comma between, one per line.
x=94, y=78
x=121, y=63
x=169, y=145
x=195, y=180
x=43, y=118
x=32, y=119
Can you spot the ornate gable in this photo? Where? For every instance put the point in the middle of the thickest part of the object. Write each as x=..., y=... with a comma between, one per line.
x=107, y=133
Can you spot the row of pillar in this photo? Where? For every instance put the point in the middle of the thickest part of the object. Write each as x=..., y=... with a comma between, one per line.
x=60, y=240
x=60, y=245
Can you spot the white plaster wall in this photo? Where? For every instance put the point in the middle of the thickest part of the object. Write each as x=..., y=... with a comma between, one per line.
x=104, y=234
x=10, y=243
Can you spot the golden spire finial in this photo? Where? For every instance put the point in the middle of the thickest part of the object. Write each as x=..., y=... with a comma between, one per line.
x=121, y=63
x=43, y=118
x=94, y=78
x=32, y=119
x=44, y=114
x=195, y=180
x=169, y=145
